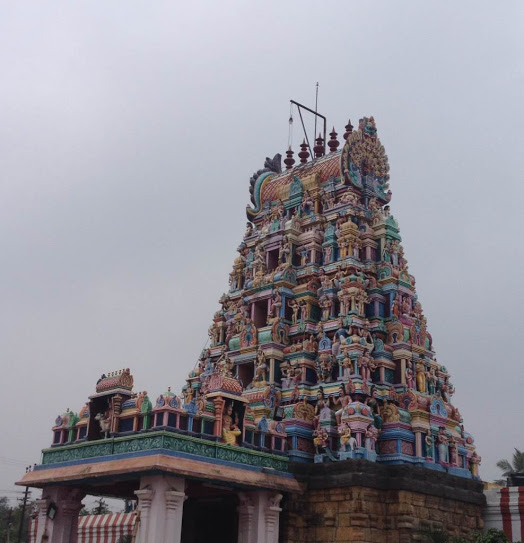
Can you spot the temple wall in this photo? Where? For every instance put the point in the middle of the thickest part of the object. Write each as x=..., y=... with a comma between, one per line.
x=505, y=511
x=359, y=502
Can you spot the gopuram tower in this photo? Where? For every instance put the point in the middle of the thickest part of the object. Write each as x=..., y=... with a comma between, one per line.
x=319, y=384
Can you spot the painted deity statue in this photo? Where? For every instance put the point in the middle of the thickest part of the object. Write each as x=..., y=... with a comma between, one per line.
x=443, y=441
x=224, y=364
x=284, y=253
x=373, y=404
x=390, y=412
x=304, y=310
x=293, y=304
x=345, y=299
x=230, y=429
x=421, y=376
x=327, y=254
x=432, y=381
x=104, y=420
x=276, y=305
x=371, y=437
x=325, y=282
x=366, y=366
x=430, y=445
x=347, y=441
x=474, y=462
x=322, y=410
x=343, y=400
x=320, y=439
x=347, y=364
x=410, y=378
x=335, y=346
x=261, y=369
x=308, y=204
x=325, y=304
x=249, y=230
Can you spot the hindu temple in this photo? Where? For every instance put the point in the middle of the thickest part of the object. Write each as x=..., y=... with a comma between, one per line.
x=318, y=410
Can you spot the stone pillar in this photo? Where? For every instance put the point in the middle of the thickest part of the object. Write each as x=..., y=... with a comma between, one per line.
x=174, y=513
x=259, y=516
x=42, y=506
x=63, y=528
x=117, y=409
x=145, y=498
x=418, y=443
x=161, y=504
x=246, y=519
x=271, y=370
x=219, y=410
x=272, y=517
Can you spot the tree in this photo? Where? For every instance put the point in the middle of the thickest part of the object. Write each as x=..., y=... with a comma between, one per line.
x=10, y=520
x=491, y=536
x=515, y=466
x=100, y=509
x=437, y=535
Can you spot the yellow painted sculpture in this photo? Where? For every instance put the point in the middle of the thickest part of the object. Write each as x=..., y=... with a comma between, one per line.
x=421, y=376
x=230, y=430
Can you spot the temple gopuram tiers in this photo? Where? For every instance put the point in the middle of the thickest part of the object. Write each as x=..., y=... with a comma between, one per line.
x=320, y=351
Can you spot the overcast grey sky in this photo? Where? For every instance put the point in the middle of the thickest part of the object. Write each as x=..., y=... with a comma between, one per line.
x=129, y=131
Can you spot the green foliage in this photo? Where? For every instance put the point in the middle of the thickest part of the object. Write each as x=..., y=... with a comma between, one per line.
x=431, y=535
x=434, y=535
x=10, y=520
x=491, y=536
x=515, y=466
x=100, y=509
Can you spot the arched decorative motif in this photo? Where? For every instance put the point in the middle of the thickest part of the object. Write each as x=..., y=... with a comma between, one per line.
x=364, y=162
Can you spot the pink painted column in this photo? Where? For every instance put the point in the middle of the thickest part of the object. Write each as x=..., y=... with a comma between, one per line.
x=174, y=513
x=504, y=511
x=63, y=528
x=259, y=516
x=145, y=498
x=246, y=518
x=272, y=517
x=161, y=505
x=42, y=505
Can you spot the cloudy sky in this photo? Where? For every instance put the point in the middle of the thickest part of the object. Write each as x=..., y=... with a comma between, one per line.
x=129, y=131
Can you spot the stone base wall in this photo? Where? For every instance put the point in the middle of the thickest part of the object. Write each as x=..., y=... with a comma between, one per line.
x=362, y=502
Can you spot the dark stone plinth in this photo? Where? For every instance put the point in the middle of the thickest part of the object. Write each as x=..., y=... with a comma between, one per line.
x=357, y=501
x=388, y=477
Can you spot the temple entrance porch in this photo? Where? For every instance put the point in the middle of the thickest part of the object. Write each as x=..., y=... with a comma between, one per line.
x=169, y=509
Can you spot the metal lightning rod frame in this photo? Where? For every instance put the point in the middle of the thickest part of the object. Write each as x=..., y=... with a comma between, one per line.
x=301, y=106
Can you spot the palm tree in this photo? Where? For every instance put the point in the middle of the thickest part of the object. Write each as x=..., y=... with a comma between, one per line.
x=516, y=466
